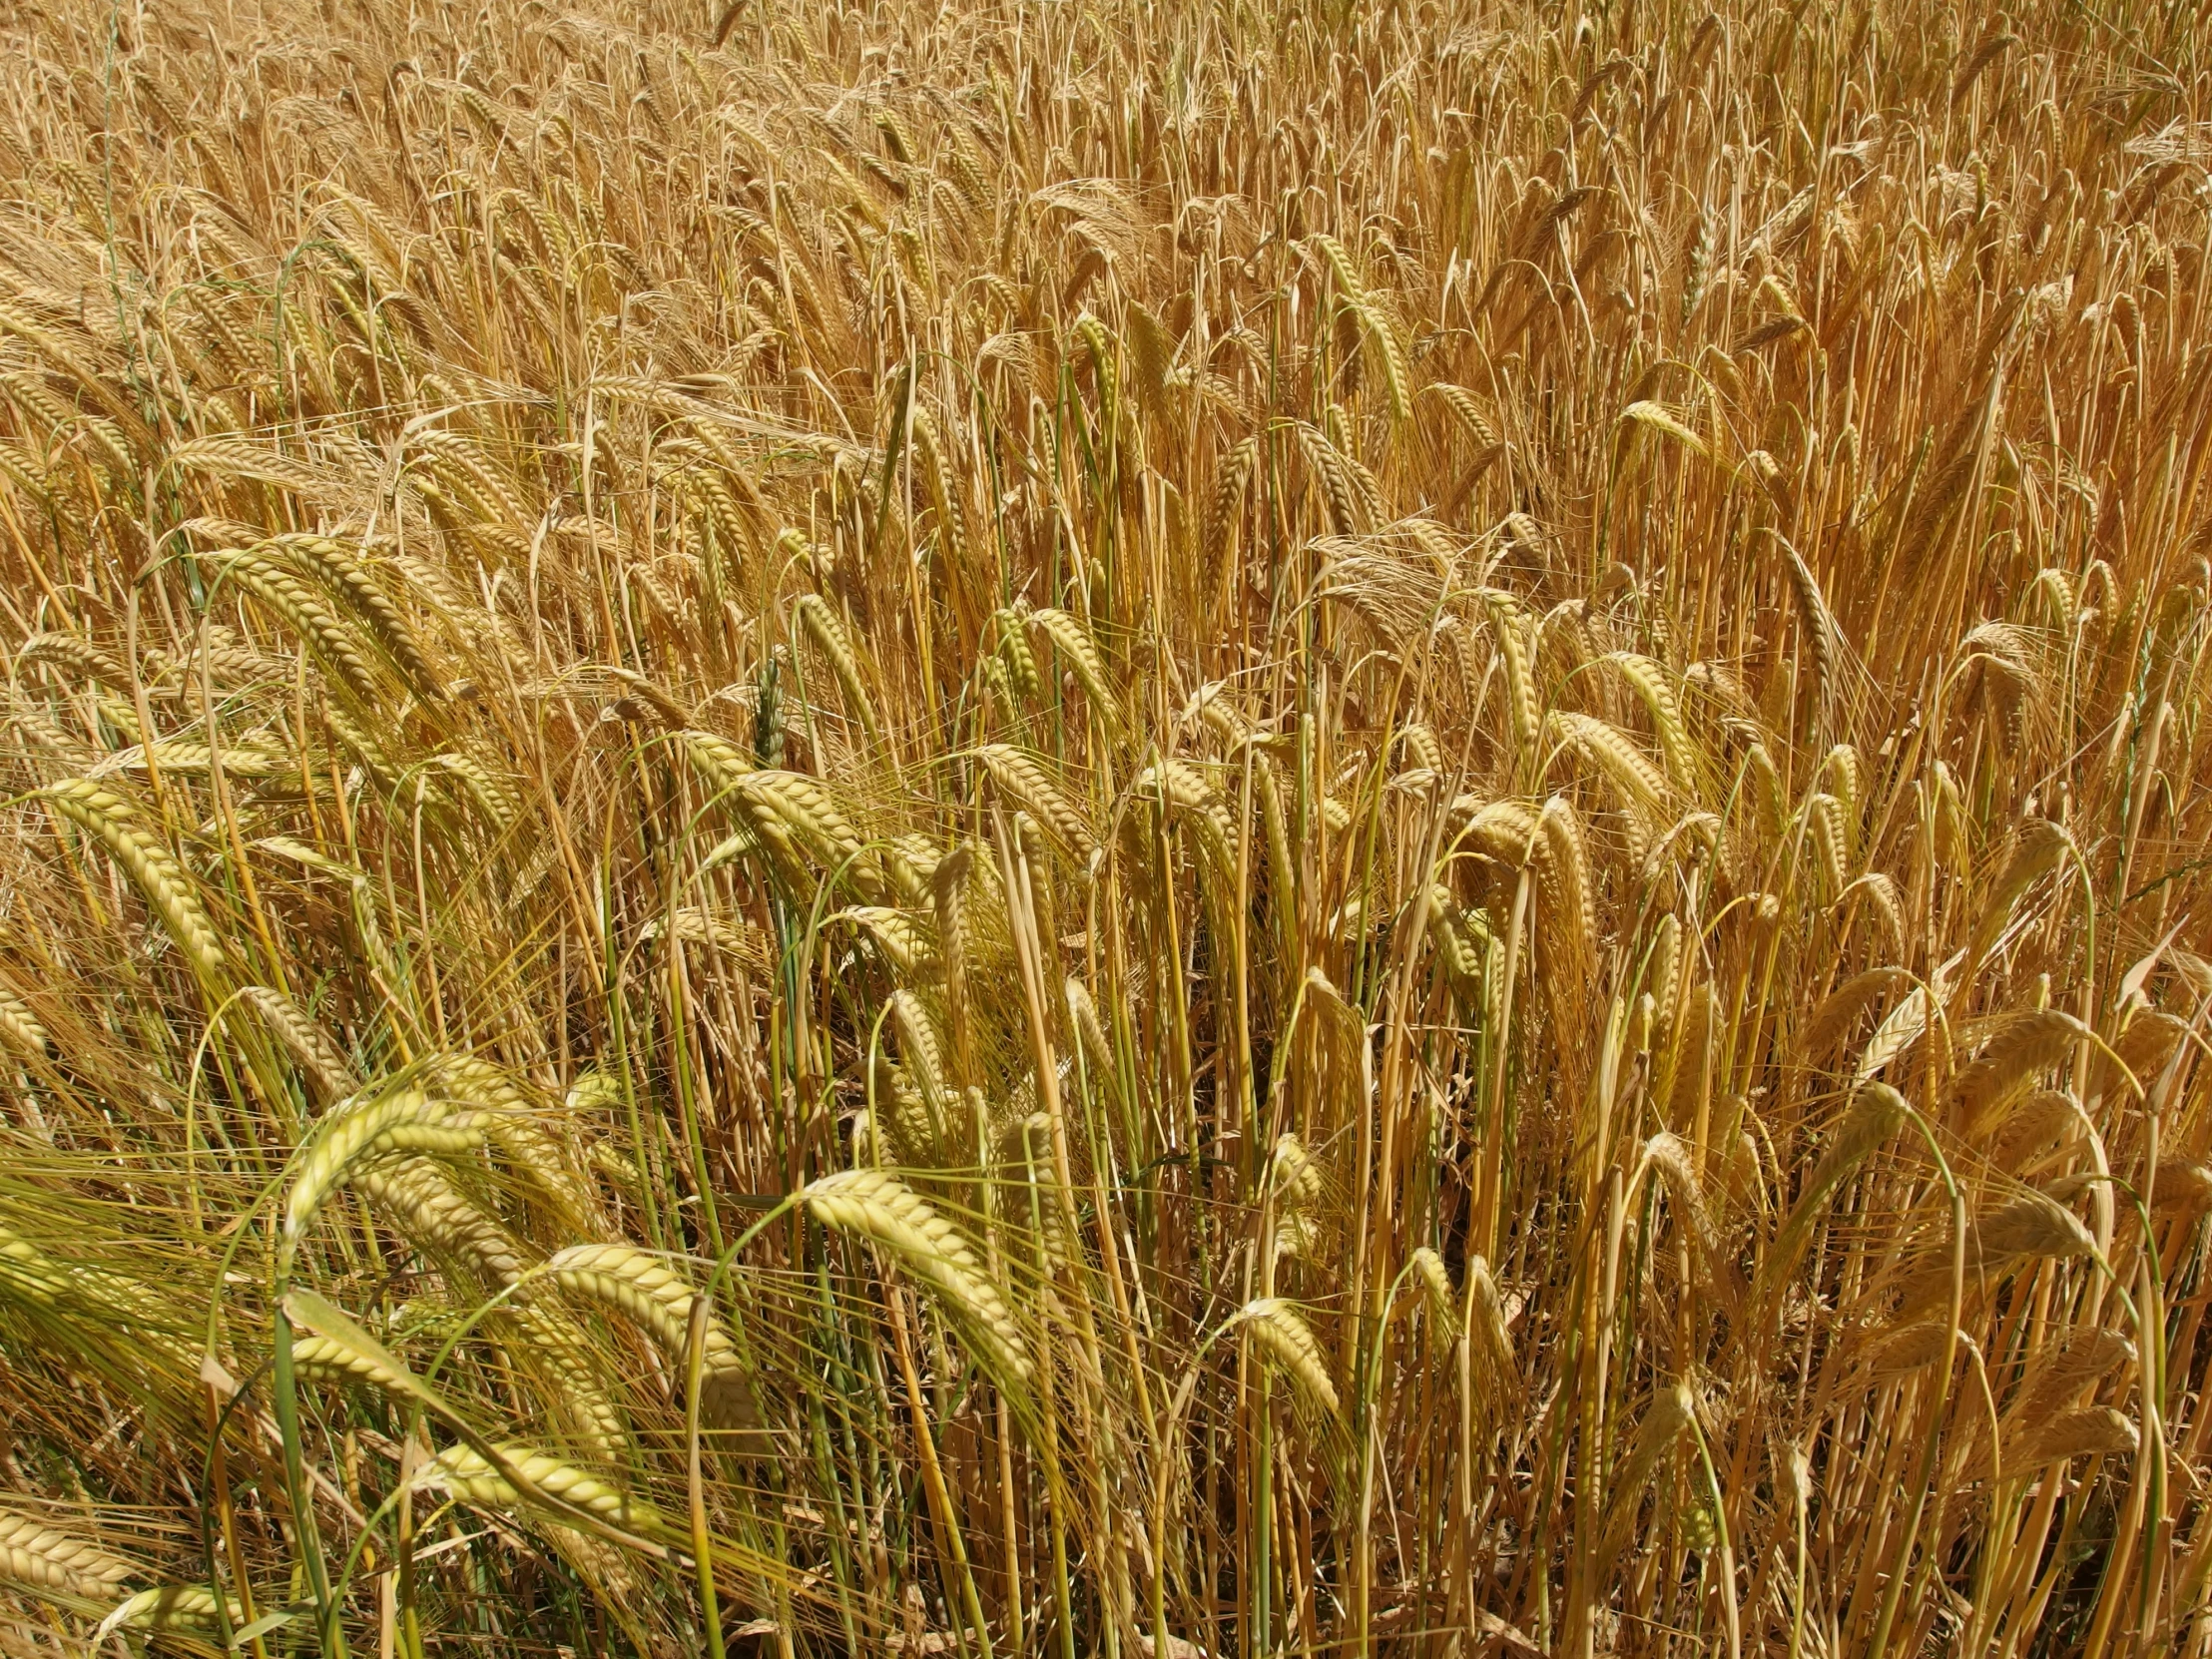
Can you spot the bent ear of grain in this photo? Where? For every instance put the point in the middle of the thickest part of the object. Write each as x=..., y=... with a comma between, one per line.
x=525, y=1476
x=878, y=1207
x=1280, y=1332
x=113, y=822
x=1673, y=1409
x=1875, y=1113
x=403, y=1120
x=646, y=1290
x=172, y=1609
x=45, y=1557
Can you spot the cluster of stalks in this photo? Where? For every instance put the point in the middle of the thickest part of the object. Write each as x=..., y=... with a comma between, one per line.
x=1046, y=830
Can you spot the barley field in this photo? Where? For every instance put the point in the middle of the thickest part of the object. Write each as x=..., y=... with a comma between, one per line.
x=1050, y=830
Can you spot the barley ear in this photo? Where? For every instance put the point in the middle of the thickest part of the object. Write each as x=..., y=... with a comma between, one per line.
x=46, y=1558
x=1283, y=1333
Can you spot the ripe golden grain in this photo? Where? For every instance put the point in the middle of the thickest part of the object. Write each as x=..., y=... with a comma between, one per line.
x=34, y=1553
x=113, y=822
x=881, y=589
x=1282, y=1332
x=324, y=1069
x=880, y=1208
x=370, y=1126
x=647, y=1291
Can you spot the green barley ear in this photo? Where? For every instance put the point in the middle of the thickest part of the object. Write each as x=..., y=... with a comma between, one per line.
x=1014, y=650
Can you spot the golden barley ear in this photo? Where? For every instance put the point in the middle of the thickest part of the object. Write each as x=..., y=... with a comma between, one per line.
x=279, y=589
x=325, y=1070
x=373, y=1125
x=1670, y=1158
x=345, y=577
x=646, y=1290
x=45, y=1557
x=1027, y=783
x=1672, y=1411
x=23, y=1030
x=115, y=824
x=523, y=1476
x=511, y=1122
x=185, y=1610
x=1397, y=377
x=1440, y=1300
x=422, y=1203
x=2032, y=1225
x=2018, y=1047
x=1875, y=1113
x=822, y=627
x=2089, y=1431
x=876, y=1206
x=1280, y=1331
